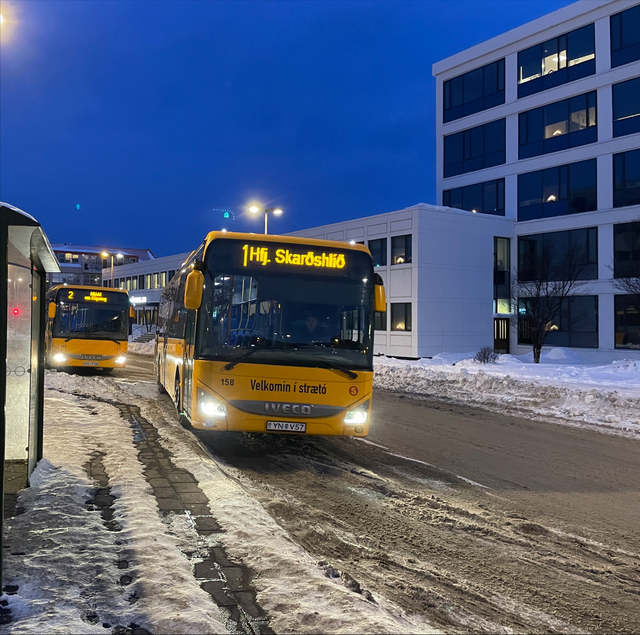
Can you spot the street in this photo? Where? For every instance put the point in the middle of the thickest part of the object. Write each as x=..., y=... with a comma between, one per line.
x=476, y=521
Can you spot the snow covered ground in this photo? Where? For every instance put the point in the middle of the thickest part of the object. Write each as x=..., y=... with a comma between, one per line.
x=65, y=562
x=561, y=388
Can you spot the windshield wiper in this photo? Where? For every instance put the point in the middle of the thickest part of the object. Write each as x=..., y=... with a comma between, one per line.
x=230, y=365
x=349, y=373
x=84, y=337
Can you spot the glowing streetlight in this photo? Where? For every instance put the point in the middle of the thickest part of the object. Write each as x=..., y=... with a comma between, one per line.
x=119, y=256
x=254, y=209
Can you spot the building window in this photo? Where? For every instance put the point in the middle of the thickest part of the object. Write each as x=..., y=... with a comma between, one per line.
x=378, y=249
x=475, y=149
x=626, y=250
x=141, y=282
x=501, y=275
x=627, y=309
x=147, y=282
x=625, y=36
x=626, y=107
x=380, y=321
x=571, y=254
x=163, y=279
x=474, y=91
x=155, y=281
x=69, y=258
x=564, y=124
x=626, y=178
x=128, y=284
x=105, y=283
x=133, y=259
x=65, y=278
x=558, y=191
x=558, y=61
x=401, y=316
x=172, y=272
x=134, y=283
x=484, y=198
x=400, y=249
x=576, y=325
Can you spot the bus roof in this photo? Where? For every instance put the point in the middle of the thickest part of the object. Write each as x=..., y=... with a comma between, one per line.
x=293, y=240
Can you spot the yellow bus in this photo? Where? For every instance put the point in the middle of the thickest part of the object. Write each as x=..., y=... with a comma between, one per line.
x=87, y=327
x=272, y=334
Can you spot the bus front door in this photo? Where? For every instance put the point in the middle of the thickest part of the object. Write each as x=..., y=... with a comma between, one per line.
x=189, y=341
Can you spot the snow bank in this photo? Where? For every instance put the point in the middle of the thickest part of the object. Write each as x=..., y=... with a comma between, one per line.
x=560, y=387
x=143, y=348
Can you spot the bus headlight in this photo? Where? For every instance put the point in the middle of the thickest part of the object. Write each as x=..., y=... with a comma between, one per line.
x=59, y=358
x=358, y=414
x=209, y=406
x=121, y=360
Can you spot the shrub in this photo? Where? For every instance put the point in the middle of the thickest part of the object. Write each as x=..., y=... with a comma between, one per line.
x=486, y=355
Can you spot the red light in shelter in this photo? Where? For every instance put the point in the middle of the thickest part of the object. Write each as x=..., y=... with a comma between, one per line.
x=16, y=311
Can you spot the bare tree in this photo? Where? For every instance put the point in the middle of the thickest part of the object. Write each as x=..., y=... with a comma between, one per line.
x=543, y=290
x=628, y=278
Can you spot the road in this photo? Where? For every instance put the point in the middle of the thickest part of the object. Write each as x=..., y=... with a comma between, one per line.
x=480, y=522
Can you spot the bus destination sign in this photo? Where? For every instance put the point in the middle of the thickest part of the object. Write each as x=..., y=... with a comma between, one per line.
x=95, y=296
x=291, y=258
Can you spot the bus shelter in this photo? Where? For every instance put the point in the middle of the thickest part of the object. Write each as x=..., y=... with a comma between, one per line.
x=26, y=258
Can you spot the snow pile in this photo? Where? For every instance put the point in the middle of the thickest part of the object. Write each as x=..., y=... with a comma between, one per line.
x=143, y=348
x=559, y=387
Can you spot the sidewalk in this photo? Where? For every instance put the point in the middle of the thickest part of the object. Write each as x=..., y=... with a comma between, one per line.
x=75, y=559
x=129, y=527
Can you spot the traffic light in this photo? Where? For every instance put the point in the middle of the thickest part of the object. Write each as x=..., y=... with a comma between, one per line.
x=227, y=214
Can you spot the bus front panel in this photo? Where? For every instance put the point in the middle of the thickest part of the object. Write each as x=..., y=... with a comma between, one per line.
x=280, y=399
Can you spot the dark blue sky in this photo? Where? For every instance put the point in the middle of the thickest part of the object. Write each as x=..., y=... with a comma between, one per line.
x=151, y=114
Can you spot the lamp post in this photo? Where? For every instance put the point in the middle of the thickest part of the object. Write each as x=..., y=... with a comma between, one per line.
x=119, y=256
x=254, y=209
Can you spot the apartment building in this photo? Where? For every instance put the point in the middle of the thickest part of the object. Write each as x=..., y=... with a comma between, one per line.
x=144, y=280
x=84, y=264
x=541, y=125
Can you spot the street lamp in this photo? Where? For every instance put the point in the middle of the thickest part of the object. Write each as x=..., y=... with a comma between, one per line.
x=254, y=209
x=119, y=256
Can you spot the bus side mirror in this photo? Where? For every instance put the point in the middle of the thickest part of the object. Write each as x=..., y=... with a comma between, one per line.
x=52, y=310
x=193, y=290
x=132, y=313
x=379, y=298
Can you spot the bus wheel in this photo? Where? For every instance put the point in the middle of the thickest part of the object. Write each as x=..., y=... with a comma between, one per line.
x=161, y=389
x=184, y=422
x=176, y=393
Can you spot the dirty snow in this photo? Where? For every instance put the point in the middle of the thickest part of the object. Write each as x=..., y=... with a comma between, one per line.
x=70, y=567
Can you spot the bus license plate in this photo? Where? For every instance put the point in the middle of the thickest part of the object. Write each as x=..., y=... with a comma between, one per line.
x=90, y=364
x=286, y=426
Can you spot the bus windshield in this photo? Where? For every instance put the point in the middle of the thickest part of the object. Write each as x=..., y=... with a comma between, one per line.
x=284, y=318
x=90, y=318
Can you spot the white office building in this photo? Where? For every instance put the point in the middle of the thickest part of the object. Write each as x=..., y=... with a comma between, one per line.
x=438, y=265
x=144, y=280
x=542, y=126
